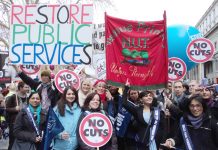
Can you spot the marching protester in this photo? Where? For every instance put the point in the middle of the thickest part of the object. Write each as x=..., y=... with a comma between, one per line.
x=125, y=123
x=107, y=100
x=45, y=87
x=198, y=130
x=92, y=104
x=68, y=112
x=14, y=103
x=179, y=98
x=150, y=120
x=133, y=96
x=174, y=108
x=167, y=92
x=207, y=95
x=29, y=125
x=12, y=88
x=186, y=88
x=194, y=87
x=100, y=88
x=85, y=89
x=116, y=97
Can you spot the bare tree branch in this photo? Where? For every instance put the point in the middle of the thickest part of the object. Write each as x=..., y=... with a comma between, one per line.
x=11, y=1
x=37, y=1
x=5, y=42
x=2, y=25
x=77, y=1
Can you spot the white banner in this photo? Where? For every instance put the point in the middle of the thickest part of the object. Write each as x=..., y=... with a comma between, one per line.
x=51, y=34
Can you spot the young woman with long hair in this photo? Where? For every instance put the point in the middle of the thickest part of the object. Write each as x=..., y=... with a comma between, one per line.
x=68, y=112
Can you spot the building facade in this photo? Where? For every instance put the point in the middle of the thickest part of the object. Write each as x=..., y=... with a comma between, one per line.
x=208, y=26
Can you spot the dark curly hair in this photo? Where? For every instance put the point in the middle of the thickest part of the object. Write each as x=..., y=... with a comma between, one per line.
x=144, y=93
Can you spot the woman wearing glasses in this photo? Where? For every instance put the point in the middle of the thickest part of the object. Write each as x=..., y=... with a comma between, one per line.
x=198, y=130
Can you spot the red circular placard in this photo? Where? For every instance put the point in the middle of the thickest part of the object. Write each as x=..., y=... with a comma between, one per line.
x=94, y=141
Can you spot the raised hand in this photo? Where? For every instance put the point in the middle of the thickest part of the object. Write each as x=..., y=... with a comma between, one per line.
x=127, y=82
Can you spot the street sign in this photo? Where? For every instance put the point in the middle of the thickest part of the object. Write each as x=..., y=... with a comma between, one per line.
x=177, y=69
x=95, y=130
x=200, y=50
x=65, y=78
x=30, y=69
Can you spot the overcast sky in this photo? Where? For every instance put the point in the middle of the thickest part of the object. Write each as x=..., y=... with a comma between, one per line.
x=187, y=12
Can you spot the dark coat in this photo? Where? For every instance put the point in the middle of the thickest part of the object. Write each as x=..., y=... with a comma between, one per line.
x=11, y=112
x=52, y=91
x=24, y=130
x=143, y=136
x=203, y=138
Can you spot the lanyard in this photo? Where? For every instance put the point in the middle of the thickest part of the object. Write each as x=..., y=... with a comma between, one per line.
x=29, y=114
x=185, y=135
x=156, y=124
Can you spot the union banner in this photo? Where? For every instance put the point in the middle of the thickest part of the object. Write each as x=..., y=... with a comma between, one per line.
x=136, y=50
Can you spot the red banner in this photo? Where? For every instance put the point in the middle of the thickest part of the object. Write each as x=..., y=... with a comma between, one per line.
x=136, y=50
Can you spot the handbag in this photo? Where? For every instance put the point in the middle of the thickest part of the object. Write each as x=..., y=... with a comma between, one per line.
x=23, y=145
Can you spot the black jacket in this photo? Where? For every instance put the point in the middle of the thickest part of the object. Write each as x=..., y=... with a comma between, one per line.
x=52, y=91
x=143, y=136
x=11, y=113
x=24, y=130
x=203, y=138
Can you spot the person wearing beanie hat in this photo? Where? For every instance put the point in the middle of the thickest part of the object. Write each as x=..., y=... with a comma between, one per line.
x=100, y=87
x=46, y=88
x=105, y=95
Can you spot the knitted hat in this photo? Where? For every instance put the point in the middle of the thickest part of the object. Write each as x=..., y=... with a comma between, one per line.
x=98, y=81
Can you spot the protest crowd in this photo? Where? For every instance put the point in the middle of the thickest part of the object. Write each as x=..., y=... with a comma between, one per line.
x=135, y=98
x=142, y=120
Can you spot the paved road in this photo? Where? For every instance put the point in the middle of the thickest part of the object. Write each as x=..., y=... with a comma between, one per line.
x=3, y=144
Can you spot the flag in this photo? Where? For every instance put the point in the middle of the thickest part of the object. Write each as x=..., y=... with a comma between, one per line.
x=53, y=128
x=136, y=50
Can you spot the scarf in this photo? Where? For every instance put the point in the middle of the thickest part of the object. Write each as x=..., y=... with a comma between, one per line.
x=209, y=102
x=179, y=98
x=46, y=85
x=103, y=97
x=46, y=102
x=38, y=111
x=196, y=121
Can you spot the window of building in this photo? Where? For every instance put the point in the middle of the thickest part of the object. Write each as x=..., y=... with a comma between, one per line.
x=208, y=67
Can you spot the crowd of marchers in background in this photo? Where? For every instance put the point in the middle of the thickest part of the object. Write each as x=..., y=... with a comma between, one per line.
x=180, y=116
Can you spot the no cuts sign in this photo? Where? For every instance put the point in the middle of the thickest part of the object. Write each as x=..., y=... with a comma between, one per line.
x=30, y=69
x=65, y=78
x=176, y=69
x=95, y=130
x=200, y=50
